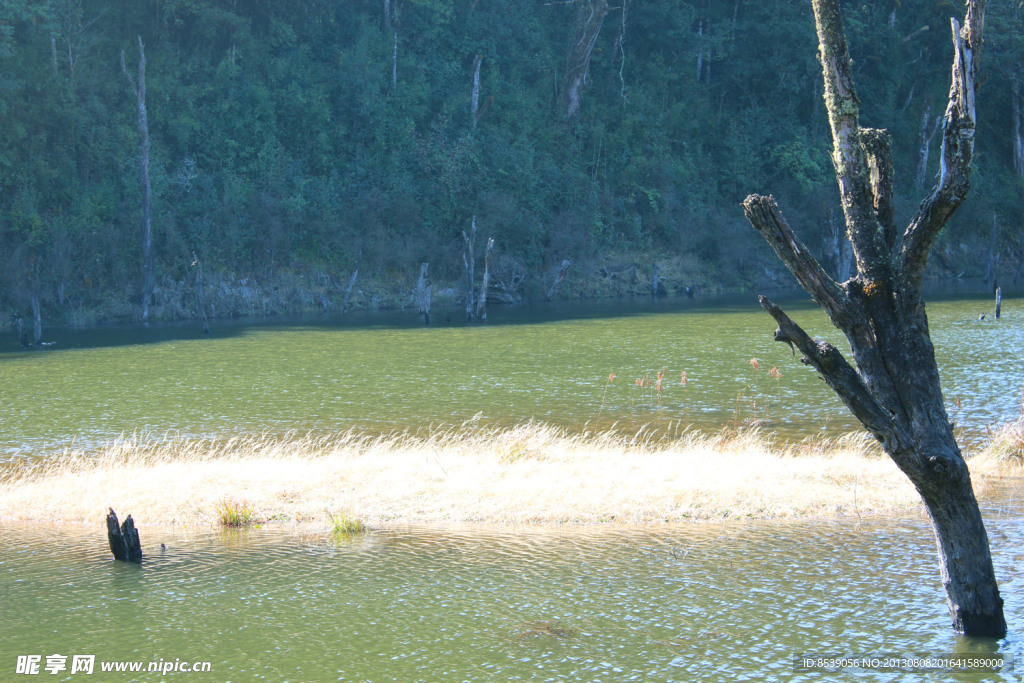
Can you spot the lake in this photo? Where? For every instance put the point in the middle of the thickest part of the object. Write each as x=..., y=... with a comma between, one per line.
x=708, y=602
x=384, y=372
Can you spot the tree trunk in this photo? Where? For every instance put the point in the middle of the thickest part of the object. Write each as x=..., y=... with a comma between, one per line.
x=423, y=294
x=469, y=261
x=590, y=15
x=37, y=321
x=1018, y=131
x=148, y=273
x=475, y=98
x=894, y=390
x=563, y=271
x=19, y=326
x=200, y=303
x=481, y=304
x=348, y=290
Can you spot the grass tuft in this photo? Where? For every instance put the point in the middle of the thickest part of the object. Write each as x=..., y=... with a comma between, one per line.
x=343, y=525
x=236, y=513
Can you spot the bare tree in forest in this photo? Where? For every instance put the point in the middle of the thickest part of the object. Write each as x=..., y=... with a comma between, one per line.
x=423, y=293
x=474, y=107
x=485, y=283
x=590, y=15
x=929, y=126
x=469, y=261
x=894, y=389
x=139, y=88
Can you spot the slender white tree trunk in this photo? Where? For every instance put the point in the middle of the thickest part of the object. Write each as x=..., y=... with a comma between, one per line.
x=148, y=272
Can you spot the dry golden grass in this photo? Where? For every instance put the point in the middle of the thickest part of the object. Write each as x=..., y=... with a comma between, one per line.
x=529, y=474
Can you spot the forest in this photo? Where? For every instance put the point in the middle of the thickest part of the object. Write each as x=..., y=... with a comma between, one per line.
x=162, y=159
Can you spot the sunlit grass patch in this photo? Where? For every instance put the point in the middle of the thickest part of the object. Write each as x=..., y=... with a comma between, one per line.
x=343, y=525
x=236, y=513
x=531, y=473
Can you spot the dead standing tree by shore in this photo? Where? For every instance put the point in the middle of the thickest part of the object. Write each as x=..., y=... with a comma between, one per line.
x=139, y=89
x=200, y=301
x=894, y=389
x=563, y=271
x=123, y=539
x=469, y=261
x=476, y=308
x=485, y=283
x=423, y=294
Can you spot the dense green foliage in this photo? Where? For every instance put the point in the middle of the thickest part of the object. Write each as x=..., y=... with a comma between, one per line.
x=287, y=143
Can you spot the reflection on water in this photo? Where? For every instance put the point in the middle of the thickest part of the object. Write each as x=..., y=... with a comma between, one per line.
x=379, y=377
x=704, y=602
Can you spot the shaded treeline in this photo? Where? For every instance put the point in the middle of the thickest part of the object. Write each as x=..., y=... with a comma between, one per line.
x=292, y=143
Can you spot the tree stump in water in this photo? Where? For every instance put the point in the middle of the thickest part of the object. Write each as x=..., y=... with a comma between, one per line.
x=123, y=539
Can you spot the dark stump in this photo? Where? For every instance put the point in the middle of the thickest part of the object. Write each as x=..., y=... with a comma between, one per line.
x=123, y=539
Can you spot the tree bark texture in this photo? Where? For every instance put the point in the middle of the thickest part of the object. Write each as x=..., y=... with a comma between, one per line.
x=590, y=15
x=148, y=272
x=893, y=386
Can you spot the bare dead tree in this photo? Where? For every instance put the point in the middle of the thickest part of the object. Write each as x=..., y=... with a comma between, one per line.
x=148, y=272
x=590, y=15
x=894, y=390
x=620, y=47
x=481, y=302
x=929, y=126
x=563, y=271
x=348, y=290
x=200, y=302
x=37, y=320
x=469, y=261
x=1018, y=130
x=423, y=294
x=475, y=97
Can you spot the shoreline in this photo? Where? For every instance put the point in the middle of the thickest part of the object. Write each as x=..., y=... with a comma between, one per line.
x=528, y=475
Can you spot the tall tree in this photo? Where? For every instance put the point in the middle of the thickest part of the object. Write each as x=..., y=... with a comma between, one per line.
x=894, y=390
x=148, y=271
x=590, y=15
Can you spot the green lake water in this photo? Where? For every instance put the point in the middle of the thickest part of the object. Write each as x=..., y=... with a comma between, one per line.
x=708, y=602
x=384, y=372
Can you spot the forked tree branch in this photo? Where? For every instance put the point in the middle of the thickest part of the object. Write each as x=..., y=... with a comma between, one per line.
x=838, y=374
x=957, y=149
x=763, y=213
x=848, y=151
